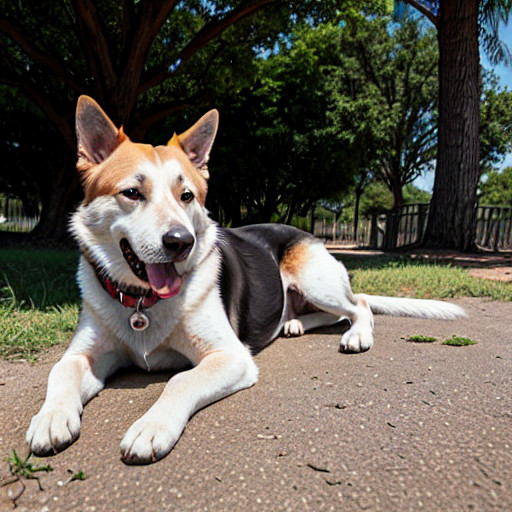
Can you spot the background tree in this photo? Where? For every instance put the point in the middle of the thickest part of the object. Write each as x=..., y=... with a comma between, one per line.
x=386, y=90
x=142, y=60
x=278, y=152
x=495, y=122
x=459, y=23
x=497, y=188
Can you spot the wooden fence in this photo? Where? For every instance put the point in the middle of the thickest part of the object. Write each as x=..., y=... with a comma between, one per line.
x=381, y=231
x=494, y=228
x=13, y=216
x=407, y=227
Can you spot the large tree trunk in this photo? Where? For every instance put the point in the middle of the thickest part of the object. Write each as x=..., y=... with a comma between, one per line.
x=57, y=205
x=452, y=218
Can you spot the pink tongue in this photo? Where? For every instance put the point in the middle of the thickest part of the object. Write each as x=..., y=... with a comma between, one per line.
x=164, y=279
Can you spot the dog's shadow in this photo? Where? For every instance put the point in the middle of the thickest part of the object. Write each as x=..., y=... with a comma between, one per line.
x=338, y=328
x=133, y=377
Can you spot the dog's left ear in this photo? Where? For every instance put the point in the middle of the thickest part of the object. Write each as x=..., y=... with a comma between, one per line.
x=197, y=141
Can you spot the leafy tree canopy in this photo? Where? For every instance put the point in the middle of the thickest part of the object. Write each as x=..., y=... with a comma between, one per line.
x=142, y=60
x=496, y=188
x=495, y=122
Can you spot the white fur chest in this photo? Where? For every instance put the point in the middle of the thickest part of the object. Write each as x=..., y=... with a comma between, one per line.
x=157, y=347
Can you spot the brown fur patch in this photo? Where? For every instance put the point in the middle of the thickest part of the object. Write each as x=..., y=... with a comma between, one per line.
x=90, y=359
x=362, y=302
x=104, y=179
x=295, y=258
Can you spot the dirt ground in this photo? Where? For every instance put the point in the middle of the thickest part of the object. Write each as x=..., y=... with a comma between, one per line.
x=405, y=426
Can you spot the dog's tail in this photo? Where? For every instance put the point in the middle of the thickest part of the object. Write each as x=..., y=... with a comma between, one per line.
x=418, y=308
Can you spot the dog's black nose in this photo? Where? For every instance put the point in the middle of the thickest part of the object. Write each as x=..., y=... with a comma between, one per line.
x=179, y=242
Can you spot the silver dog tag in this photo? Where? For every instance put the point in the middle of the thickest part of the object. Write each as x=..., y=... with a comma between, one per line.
x=139, y=321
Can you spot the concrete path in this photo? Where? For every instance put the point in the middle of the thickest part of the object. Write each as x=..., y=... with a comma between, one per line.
x=405, y=426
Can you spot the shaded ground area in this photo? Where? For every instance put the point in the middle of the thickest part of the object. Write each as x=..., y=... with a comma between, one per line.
x=405, y=426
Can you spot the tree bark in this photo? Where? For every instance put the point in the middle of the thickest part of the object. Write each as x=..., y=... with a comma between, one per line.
x=452, y=217
x=61, y=200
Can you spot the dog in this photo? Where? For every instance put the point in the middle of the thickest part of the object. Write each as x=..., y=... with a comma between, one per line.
x=164, y=287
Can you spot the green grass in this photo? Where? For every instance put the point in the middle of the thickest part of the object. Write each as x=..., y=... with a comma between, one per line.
x=39, y=300
x=402, y=278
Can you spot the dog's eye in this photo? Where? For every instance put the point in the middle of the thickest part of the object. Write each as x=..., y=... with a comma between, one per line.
x=133, y=194
x=187, y=196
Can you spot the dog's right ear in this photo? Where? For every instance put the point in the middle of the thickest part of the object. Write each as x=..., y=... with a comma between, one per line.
x=197, y=141
x=97, y=136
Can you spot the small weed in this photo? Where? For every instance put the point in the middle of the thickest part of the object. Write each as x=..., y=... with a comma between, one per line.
x=23, y=469
x=459, y=341
x=420, y=338
x=79, y=475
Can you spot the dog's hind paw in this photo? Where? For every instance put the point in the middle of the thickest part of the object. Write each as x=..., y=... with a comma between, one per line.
x=147, y=441
x=356, y=339
x=293, y=327
x=53, y=430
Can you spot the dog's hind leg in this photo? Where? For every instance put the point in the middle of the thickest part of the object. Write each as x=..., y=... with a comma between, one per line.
x=303, y=323
x=324, y=283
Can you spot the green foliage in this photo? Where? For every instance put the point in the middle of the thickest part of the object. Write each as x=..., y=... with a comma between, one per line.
x=413, y=194
x=493, y=13
x=496, y=189
x=377, y=198
x=386, y=93
x=421, y=338
x=276, y=145
x=335, y=100
x=143, y=61
x=495, y=122
x=23, y=470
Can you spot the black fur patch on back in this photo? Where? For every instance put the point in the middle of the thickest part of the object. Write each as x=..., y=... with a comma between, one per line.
x=250, y=283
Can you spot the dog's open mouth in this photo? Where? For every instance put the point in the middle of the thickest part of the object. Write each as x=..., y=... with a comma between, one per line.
x=162, y=277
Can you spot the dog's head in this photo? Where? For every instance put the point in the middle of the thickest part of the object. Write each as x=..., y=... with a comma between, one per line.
x=144, y=206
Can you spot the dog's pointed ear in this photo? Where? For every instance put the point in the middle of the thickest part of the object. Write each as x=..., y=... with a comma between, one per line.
x=97, y=136
x=197, y=141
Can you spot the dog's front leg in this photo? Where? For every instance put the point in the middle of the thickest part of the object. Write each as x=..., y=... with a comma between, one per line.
x=73, y=381
x=217, y=375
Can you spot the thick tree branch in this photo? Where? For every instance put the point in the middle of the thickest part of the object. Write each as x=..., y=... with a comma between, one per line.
x=423, y=10
x=163, y=111
x=142, y=31
x=44, y=103
x=37, y=55
x=210, y=31
x=95, y=44
x=142, y=28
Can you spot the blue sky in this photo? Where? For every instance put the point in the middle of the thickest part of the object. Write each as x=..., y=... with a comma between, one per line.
x=505, y=74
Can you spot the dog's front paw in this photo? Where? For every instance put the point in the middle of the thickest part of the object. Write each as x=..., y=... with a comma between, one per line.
x=293, y=327
x=53, y=430
x=148, y=440
x=357, y=339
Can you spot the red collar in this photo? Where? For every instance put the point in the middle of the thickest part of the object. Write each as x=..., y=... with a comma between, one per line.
x=128, y=301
